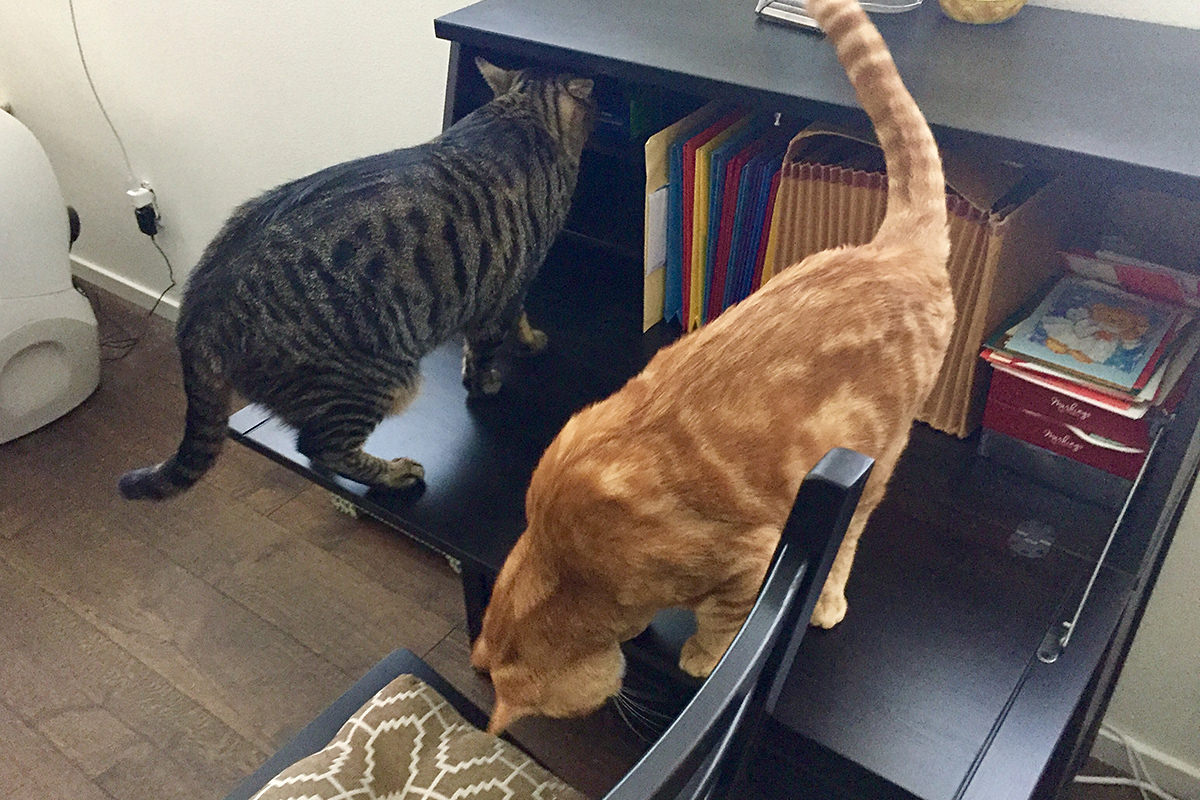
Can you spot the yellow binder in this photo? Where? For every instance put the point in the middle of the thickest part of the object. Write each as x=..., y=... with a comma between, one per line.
x=700, y=218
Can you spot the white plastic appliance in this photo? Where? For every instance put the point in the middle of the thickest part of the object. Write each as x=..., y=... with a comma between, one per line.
x=49, y=349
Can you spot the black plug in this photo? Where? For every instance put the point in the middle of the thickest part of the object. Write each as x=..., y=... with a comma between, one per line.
x=145, y=210
x=147, y=220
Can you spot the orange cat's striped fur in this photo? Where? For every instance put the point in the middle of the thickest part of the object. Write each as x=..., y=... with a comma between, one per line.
x=673, y=491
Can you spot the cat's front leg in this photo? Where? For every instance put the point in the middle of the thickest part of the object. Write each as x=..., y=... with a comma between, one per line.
x=480, y=374
x=530, y=341
x=719, y=617
x=698, y=661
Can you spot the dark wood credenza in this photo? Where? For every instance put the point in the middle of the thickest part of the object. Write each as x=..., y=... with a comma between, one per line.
x=932, y=687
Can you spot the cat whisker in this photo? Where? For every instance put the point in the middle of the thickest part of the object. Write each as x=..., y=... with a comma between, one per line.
x=652, y=716
x=646, y=721
x=624, y=711
x=633, y=710
x=616, y=704
x=644, y=702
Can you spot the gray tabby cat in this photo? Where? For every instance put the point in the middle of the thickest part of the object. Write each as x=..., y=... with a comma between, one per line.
x=319, y=298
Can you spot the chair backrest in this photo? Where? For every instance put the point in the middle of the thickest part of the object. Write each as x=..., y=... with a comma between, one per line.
x=703, y=751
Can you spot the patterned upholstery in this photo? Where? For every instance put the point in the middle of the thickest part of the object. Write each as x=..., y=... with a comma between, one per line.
x=408, y=742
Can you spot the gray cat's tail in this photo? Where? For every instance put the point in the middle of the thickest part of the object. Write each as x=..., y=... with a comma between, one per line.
x=208, y=394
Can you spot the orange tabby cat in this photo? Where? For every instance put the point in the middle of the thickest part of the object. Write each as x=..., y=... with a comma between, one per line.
x=673, y=491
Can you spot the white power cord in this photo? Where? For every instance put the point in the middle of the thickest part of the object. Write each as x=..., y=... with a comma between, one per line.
x=1142, y=786
x=1141, y=779
x=144, y=204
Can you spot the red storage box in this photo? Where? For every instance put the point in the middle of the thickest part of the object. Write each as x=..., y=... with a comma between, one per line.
x=1065, y=438
x=1066, y=410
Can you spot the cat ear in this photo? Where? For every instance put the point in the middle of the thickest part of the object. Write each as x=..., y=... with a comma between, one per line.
x=504, y=715
x=501, y=80
x=580, y=88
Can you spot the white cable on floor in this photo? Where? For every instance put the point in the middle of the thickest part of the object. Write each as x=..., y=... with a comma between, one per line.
x=1142, y=786
x=1141, y=779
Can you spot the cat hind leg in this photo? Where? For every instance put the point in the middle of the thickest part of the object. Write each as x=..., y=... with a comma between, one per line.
x=335, y=438
x=830, y=608
x=831, y=605
x=344, y=455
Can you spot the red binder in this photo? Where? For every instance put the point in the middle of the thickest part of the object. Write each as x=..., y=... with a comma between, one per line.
x=689, y=196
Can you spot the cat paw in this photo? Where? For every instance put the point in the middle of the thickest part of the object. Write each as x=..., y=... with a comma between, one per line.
x=403, y=473
x=531, y=342
x=696, y=661
x=482, y=382
x=830, y=609
x=485, y=383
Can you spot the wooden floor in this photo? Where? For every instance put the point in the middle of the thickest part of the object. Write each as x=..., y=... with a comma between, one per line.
x=164, y=650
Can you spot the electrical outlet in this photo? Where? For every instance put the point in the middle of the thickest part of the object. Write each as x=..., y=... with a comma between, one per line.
x=145, y=208
x=142, y=196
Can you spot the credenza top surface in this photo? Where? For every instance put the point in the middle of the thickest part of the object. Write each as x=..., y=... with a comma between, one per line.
x=1048, y=82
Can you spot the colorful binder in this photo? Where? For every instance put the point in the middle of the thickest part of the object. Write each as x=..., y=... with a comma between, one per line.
x=696, y=162
x=721, y=155
x=691, y=126
x=662, y=214
x=733, y=200
x=709, y=201
x=757, y=177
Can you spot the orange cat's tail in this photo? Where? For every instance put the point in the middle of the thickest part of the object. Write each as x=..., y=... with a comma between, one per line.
x=916, y=186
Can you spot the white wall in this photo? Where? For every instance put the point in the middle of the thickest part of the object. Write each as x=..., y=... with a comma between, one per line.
x=218, y=101
x=1157, y=700
x=1184, y=13
x=215, y=102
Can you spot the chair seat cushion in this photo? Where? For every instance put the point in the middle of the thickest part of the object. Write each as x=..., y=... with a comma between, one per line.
x=408, y=742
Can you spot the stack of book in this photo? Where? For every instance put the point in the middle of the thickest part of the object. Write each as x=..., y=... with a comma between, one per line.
x=1091, y=371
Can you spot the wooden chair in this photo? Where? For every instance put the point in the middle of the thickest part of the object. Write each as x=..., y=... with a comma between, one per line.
x=703, y=753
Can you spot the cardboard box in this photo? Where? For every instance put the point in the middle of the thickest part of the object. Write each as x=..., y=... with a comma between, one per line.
x=1006, y=227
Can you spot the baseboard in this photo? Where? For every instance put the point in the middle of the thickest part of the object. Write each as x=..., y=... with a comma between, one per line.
x=124, y=288
x=1177, y=777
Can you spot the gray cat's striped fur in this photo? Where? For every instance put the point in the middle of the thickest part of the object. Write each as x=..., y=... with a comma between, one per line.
x=318, y=298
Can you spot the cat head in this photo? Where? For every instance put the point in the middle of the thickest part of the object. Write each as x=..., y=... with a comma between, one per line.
x=504, y=81
x=571, y=96
x=542, y=646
